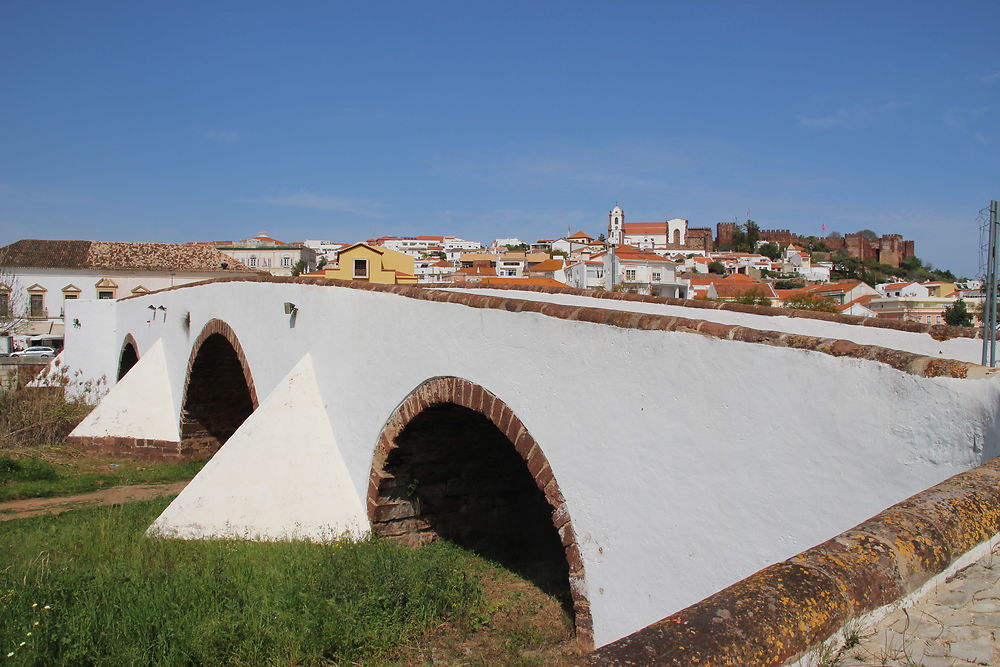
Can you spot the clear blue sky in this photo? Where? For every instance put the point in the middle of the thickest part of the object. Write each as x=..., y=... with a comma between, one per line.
x=176, y=121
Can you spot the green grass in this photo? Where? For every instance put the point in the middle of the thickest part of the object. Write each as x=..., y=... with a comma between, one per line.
x=35, y=477
x=116, y=597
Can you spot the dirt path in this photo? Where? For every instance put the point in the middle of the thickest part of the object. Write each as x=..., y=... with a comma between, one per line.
x=20, y=509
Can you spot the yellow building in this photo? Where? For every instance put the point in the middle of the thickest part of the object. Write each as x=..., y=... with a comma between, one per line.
x=939, y=288
x=370, y=264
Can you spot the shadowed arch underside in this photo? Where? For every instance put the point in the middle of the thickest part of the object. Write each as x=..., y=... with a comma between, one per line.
x=129, y=356
x=454, y=462
x=219, y=393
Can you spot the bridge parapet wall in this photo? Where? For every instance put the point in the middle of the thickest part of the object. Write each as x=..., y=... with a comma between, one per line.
x=787, y=609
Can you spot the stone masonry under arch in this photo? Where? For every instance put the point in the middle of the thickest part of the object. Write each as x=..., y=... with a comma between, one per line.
x=219, y=392
x=397, y=518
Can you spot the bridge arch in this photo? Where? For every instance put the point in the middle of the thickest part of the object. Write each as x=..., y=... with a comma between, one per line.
x=219, y=392
x=129, y=355
x=454, y=461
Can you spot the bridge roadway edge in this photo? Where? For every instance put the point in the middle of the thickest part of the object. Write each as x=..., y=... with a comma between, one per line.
x=784, y=611
x=907, y=362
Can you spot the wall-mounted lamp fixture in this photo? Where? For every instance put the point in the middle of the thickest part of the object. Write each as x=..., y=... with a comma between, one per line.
x=290, y=308
x=76, y=322
x=152, y=313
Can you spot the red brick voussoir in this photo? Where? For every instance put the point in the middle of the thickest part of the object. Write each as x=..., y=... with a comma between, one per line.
x=783, y=611
x=907, y=362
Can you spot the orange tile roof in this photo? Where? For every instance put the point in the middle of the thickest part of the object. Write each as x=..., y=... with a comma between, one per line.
x=544, y=282
x=548, y=265
x=741, y=289
x=645, y=227
x=477, y=271
x=739, y=278
x=640, y=256
x=581, y=234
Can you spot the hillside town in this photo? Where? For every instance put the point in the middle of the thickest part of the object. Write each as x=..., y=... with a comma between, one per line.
x=859, y=274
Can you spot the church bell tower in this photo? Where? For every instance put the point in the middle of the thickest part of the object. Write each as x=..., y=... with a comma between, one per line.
x=616, y=226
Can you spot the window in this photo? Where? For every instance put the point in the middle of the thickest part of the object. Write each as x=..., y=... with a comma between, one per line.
x=36, y=305
x=656, y=276
x=253, y=260
x=630, y=275
x=103, y=294
x=286, y=261
x=4, y=304
x=361, y=268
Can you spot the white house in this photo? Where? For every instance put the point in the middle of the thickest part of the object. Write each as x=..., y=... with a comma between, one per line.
x=585, y=274
x=267, y=254
x=902, y=289
x=44, y=274
x=432, y=270
x=643, y=272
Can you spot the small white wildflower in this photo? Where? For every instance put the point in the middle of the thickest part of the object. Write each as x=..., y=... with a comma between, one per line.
x=10, y=655
x=47, y=607
x=35, y=623
x=27, y=634
x=21, y=644
x=34, y=604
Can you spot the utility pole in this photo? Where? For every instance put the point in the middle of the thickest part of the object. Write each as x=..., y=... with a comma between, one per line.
x=990, y=288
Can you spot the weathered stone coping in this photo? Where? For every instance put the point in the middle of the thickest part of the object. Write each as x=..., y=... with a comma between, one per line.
x=907, y=362
x=784, y=610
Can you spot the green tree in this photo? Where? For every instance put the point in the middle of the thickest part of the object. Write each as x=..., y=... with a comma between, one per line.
x=521, y=247
x=770, y=250
x=321, y=263
x=601, y=237
x=811, y=302
x=299, y=267
x=716, y=267
x=754, y=297
x=957, y=315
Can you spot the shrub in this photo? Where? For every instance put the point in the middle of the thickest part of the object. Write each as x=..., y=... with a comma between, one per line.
x=34, y=416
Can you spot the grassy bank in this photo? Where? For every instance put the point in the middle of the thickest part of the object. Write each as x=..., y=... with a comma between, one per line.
x=115, y=597
x=42, y=472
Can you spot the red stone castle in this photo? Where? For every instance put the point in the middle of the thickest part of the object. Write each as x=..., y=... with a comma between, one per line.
x=889, y=249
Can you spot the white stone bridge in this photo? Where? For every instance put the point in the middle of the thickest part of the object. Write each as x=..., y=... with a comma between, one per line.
x=632, y=454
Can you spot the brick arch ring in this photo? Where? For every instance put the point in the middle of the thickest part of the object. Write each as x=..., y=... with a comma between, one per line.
x=458, y=391
x=226, y=331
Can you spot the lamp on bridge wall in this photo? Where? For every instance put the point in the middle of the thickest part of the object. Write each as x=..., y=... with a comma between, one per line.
x=290, y=308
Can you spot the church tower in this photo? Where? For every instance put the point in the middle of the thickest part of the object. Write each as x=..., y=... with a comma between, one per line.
x=616, y=226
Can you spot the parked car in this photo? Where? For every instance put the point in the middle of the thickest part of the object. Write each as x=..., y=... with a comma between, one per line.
x=37, y=351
